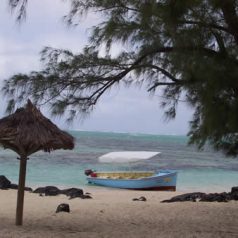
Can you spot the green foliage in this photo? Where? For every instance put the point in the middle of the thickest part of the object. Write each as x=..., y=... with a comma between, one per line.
x=186, y=47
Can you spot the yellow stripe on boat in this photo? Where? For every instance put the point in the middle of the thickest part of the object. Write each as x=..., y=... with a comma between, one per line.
x=124, y=175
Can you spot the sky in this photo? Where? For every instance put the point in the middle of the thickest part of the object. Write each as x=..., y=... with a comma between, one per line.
x=126, y=110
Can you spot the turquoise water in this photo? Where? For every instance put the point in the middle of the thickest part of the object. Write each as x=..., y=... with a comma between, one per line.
x=197, y=170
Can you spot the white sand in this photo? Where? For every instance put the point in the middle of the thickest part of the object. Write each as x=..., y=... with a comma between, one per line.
x=113, y=214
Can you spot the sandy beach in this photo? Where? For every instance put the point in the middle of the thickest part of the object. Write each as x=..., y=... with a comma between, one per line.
x=112, y=213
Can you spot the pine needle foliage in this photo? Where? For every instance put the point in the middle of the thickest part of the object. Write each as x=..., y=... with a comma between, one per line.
x=185, y=47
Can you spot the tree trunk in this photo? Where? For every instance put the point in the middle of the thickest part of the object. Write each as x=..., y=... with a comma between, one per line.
x=20, y=194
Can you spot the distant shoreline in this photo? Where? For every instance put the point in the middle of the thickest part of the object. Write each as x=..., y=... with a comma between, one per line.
x=127, y=133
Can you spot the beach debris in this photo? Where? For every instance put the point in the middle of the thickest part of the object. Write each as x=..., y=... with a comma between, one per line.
x=4, y=182
x=204, y=197
x=142, y=198
x=63, y=207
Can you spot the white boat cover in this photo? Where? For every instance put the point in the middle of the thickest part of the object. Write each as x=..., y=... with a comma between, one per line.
x=126, y=156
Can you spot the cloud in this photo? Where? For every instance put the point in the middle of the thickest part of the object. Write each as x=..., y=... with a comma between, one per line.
x=20, y=44
x=120, y=110
x=132, y=110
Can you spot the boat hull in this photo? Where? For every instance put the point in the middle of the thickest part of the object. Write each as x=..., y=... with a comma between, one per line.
x=159, y=181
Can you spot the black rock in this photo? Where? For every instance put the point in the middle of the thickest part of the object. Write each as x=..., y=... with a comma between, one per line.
x=193, y=197
x=73, y=192
x=63, y=207
x=15, y=186
x=143, y=199
x=39, y=190
x=203, y=197
x=85, y=197
x=234, y=193
x=48, y=190
x=234, y=196
x=51, y=191
x=215, y=197
x=28, y=189
x=234, y=190
x=4, y=182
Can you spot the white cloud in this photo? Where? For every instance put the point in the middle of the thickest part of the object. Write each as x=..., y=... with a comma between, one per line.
x=133, y=110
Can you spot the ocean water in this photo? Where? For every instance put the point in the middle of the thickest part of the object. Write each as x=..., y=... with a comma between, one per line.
x=197, y=170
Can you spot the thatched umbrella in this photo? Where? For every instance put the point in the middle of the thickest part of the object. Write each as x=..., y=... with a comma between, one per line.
x=27, y=131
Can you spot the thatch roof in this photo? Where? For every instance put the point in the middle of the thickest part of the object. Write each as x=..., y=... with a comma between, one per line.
x=27, y=131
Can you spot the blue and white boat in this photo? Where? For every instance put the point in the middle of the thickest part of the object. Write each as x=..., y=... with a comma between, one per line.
x=162, y=180
x=141, y=180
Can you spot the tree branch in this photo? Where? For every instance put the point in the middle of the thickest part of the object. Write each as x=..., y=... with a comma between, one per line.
x=229, y=12
x=163, y=71
x=206, y=25
x=161, y=84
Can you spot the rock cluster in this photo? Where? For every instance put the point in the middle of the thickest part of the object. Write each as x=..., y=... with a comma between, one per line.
x=46, y=191
x=70, y=192
x=6, y=184
x=204, y=197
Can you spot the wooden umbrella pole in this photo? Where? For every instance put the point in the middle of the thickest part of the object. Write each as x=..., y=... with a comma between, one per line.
x=21, y=189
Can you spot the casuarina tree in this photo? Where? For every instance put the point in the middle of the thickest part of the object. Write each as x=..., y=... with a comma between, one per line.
x=186, y=49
